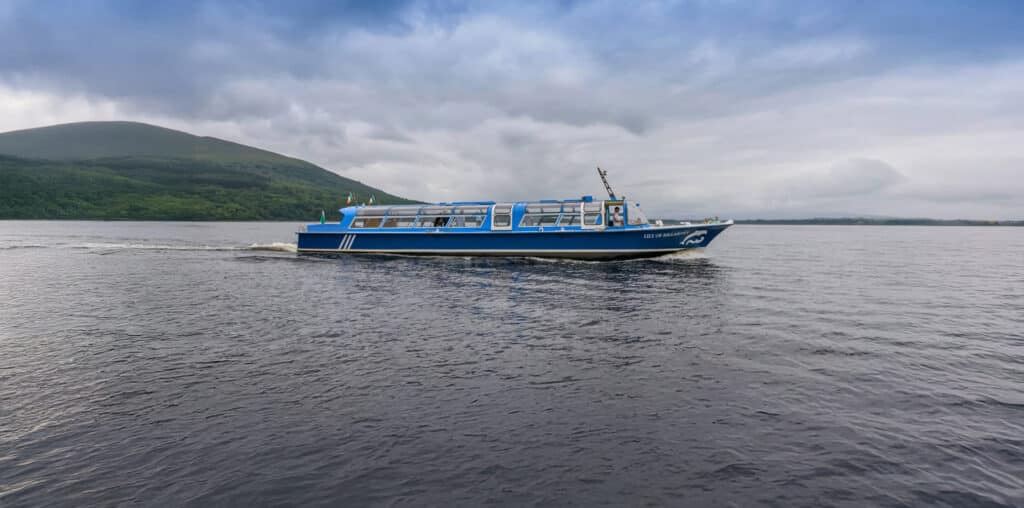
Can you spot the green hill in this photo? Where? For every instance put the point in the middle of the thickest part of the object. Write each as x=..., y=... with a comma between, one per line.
x=128, y=170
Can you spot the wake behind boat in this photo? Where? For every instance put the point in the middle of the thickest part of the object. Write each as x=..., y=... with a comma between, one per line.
x=582, y=228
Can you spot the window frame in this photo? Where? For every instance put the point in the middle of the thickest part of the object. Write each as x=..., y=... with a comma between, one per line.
x=475, y=217
x=410, y=218
x=432, y=218
x=501, y=209
x=522, y=221
x=360, y=222
x=593, y=207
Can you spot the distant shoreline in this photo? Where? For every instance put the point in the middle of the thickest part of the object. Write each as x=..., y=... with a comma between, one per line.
x=879, y=222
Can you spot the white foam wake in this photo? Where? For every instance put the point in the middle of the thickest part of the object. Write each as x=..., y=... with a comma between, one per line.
x=26, y=246
x=275, y=247
x=683, y=255
x=151, y=246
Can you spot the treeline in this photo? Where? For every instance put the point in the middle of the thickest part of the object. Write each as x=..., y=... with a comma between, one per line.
x=173, y=189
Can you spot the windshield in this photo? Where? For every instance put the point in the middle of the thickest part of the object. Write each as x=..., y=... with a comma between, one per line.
x=636, y=215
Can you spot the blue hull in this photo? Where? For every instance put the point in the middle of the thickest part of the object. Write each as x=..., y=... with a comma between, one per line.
x=585, y=244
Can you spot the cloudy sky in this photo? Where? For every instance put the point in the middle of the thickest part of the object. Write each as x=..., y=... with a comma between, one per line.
x=696, y=107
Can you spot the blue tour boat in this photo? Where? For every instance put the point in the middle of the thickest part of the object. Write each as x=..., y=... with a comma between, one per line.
x=583, y=228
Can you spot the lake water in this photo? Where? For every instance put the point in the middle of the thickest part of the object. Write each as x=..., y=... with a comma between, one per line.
x=204, y=364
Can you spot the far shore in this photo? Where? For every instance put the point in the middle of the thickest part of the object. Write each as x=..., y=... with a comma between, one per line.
x=879, y=222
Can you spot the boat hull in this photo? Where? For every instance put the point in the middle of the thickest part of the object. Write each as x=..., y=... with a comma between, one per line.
x=586, y=244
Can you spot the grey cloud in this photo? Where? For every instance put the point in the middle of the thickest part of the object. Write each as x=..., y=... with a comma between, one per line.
x=958, y=195
x=992, y=180
x=389, y=134
x=516, y=140
x=853, y=177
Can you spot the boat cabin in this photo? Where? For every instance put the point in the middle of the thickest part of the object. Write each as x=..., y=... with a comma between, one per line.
x=488, y=216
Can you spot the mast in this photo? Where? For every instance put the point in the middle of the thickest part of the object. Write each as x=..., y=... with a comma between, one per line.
x=607, y=187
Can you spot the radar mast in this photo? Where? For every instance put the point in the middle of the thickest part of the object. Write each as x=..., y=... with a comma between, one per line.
x=604, y=179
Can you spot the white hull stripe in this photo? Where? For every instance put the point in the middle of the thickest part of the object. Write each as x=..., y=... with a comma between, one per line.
x=346, y=242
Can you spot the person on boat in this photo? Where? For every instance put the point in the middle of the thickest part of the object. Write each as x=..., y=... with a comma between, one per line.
x=617, y=217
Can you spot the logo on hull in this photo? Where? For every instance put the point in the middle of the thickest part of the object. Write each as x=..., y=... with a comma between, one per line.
x=695, y=238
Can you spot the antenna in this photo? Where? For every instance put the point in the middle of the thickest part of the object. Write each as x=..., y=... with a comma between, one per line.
x=604, y=178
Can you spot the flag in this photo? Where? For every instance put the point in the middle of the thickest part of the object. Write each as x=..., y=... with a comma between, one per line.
x=323, y=217
x=371, y=199
x=348, y=199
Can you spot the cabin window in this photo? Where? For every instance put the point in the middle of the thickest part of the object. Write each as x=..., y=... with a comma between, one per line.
x=592, y=218
x=404, y=211
x=535, y=220
x=436, y=210
x=399, y=222
x=436, y=221
x=470, y=210
x=569, y=219
x=636, y=215
x=371, y=212
x=367, y=222
x=468, y=216
x=502, y=217
x=466, y=221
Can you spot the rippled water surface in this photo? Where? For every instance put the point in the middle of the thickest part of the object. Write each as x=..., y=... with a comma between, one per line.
x=205, y=364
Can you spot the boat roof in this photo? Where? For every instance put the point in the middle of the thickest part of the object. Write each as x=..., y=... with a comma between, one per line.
x=453, y=204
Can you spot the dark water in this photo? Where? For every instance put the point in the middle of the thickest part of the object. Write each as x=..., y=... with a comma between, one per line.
x=179, y=364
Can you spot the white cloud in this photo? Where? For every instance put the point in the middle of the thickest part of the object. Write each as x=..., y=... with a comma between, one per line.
x=23, y=107
x=813, y=53
x=853, y=177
